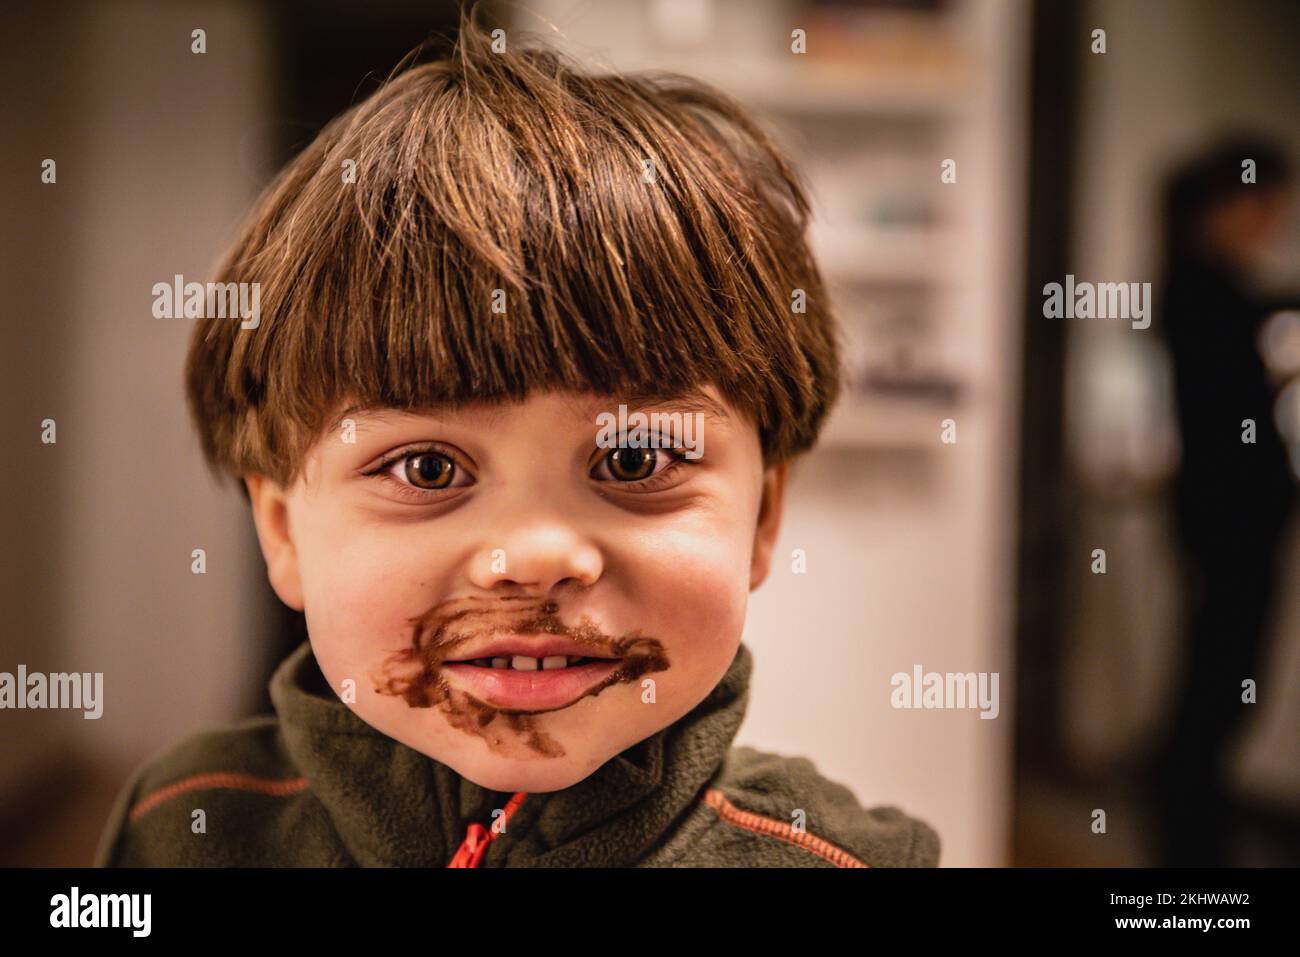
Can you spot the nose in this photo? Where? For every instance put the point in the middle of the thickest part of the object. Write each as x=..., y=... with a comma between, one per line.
x=542, y=555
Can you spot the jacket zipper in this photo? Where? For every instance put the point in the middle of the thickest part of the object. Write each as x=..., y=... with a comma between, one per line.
x=477, y=837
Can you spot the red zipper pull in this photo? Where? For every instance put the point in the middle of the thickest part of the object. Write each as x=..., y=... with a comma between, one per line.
x=477, y=837
x=472, y=849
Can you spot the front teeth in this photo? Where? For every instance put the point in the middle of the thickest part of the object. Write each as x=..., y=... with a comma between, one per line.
x=525, y=663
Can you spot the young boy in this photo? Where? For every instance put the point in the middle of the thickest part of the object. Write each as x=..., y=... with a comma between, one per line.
x=536, y=350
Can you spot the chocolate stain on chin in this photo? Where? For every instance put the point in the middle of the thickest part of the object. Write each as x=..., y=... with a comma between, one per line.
x=415, y=673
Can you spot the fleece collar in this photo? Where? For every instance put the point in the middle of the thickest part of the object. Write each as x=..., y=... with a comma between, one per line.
x=395, y=807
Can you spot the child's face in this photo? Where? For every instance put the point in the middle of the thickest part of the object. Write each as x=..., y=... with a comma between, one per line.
x=431, y=540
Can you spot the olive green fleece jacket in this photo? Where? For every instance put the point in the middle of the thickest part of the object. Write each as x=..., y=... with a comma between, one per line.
x=316, y=786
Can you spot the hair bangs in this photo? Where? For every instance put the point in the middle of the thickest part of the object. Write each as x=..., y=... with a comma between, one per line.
x=509, y=225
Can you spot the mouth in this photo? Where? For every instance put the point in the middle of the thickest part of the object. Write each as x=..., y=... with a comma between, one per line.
x=520, y=687
x=542, y=673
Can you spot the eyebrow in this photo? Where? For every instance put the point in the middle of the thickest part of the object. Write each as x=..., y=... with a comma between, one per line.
x=374, y=411
x=690, y=401
x=380, y=412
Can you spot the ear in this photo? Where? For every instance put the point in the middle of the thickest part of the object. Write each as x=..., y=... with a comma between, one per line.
x=769, y=523
x=271, y=517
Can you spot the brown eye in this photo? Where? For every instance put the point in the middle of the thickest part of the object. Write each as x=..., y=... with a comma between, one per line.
x=429, y=470
x=631, y=465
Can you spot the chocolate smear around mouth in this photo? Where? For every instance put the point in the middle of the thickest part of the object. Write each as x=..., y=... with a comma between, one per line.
x=415, y=674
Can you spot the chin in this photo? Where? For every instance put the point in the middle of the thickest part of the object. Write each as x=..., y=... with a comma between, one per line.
x=533, y=776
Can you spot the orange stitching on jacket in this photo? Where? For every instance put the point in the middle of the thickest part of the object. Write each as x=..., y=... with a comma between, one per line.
x=759, y=824
x=282, y=787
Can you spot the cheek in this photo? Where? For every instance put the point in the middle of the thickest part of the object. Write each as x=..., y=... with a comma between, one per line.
x=359, y=591
x=692, y=579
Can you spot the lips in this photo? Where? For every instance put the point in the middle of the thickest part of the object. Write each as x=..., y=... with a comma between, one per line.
x=539, y=672
x=533, y=690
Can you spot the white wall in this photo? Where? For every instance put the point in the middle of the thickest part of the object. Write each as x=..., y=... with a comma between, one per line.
x=166, y=165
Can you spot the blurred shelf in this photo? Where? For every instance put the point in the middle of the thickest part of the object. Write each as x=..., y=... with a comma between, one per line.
x=791, y=86
x=792, y=89
x=914, y=255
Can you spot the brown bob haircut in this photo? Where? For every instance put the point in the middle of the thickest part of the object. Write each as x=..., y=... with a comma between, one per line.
x=643, y=234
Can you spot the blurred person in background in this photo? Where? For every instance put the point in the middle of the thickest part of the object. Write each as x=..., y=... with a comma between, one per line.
x=1233, y=497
